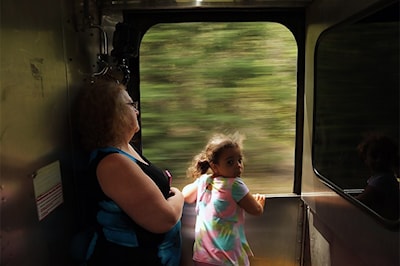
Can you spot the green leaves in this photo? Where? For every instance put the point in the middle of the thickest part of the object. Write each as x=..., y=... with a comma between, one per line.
x=198, y=78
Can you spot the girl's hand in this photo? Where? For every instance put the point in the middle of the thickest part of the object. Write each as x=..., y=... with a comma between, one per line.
x=260, y=199
x=253, y=204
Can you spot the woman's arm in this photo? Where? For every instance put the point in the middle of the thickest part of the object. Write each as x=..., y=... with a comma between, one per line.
x=134, y=192
x=190, y=192
x=253, y=204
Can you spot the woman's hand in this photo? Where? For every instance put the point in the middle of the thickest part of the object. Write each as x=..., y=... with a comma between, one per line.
x=176, y=201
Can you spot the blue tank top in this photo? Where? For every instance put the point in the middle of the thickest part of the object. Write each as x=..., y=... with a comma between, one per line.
x=118, y=228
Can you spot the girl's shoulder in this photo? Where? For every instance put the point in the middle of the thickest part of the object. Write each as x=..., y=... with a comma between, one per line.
x=204, y=178
x=228, y=182
x=239, y=180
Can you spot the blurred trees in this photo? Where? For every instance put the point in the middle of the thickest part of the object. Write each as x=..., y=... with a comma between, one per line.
x=201, y=78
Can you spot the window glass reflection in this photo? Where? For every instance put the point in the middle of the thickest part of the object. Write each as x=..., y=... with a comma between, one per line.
x=356, y=94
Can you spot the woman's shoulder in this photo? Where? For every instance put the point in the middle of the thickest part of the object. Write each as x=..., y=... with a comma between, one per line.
x=117, y=164
x=111, y=154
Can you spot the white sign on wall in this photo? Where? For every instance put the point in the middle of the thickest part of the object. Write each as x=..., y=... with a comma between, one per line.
x=48, y=189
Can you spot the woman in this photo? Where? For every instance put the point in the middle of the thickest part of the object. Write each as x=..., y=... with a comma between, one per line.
x=135, y=211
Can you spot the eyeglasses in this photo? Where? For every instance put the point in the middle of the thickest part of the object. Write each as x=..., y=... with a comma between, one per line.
x=133, y=104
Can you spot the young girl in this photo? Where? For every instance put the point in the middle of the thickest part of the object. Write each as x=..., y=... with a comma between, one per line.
x=221, y=198
x=381, y=155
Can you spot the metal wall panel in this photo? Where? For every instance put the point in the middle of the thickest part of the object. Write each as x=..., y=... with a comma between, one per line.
x=340, y=232
x=42, y=63
x=275, y=237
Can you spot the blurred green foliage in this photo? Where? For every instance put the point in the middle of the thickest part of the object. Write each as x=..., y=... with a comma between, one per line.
x=201, y=78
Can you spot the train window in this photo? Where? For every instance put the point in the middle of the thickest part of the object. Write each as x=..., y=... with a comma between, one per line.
x=201, y=78
x=356, y=94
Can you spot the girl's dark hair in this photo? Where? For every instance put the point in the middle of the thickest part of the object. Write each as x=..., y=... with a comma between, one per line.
x=381, y=151
x=212, y=151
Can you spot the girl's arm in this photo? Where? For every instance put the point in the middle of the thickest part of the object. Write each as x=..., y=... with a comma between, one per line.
x=253, y=204
x=190, y=192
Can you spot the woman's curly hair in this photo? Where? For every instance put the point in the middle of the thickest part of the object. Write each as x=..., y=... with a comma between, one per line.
x=102, y=113
x=212, y=152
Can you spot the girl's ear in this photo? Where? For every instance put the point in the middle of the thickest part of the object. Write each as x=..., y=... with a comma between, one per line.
x=214, y=167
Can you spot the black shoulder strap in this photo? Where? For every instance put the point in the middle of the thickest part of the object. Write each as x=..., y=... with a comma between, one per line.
x=94, y=153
